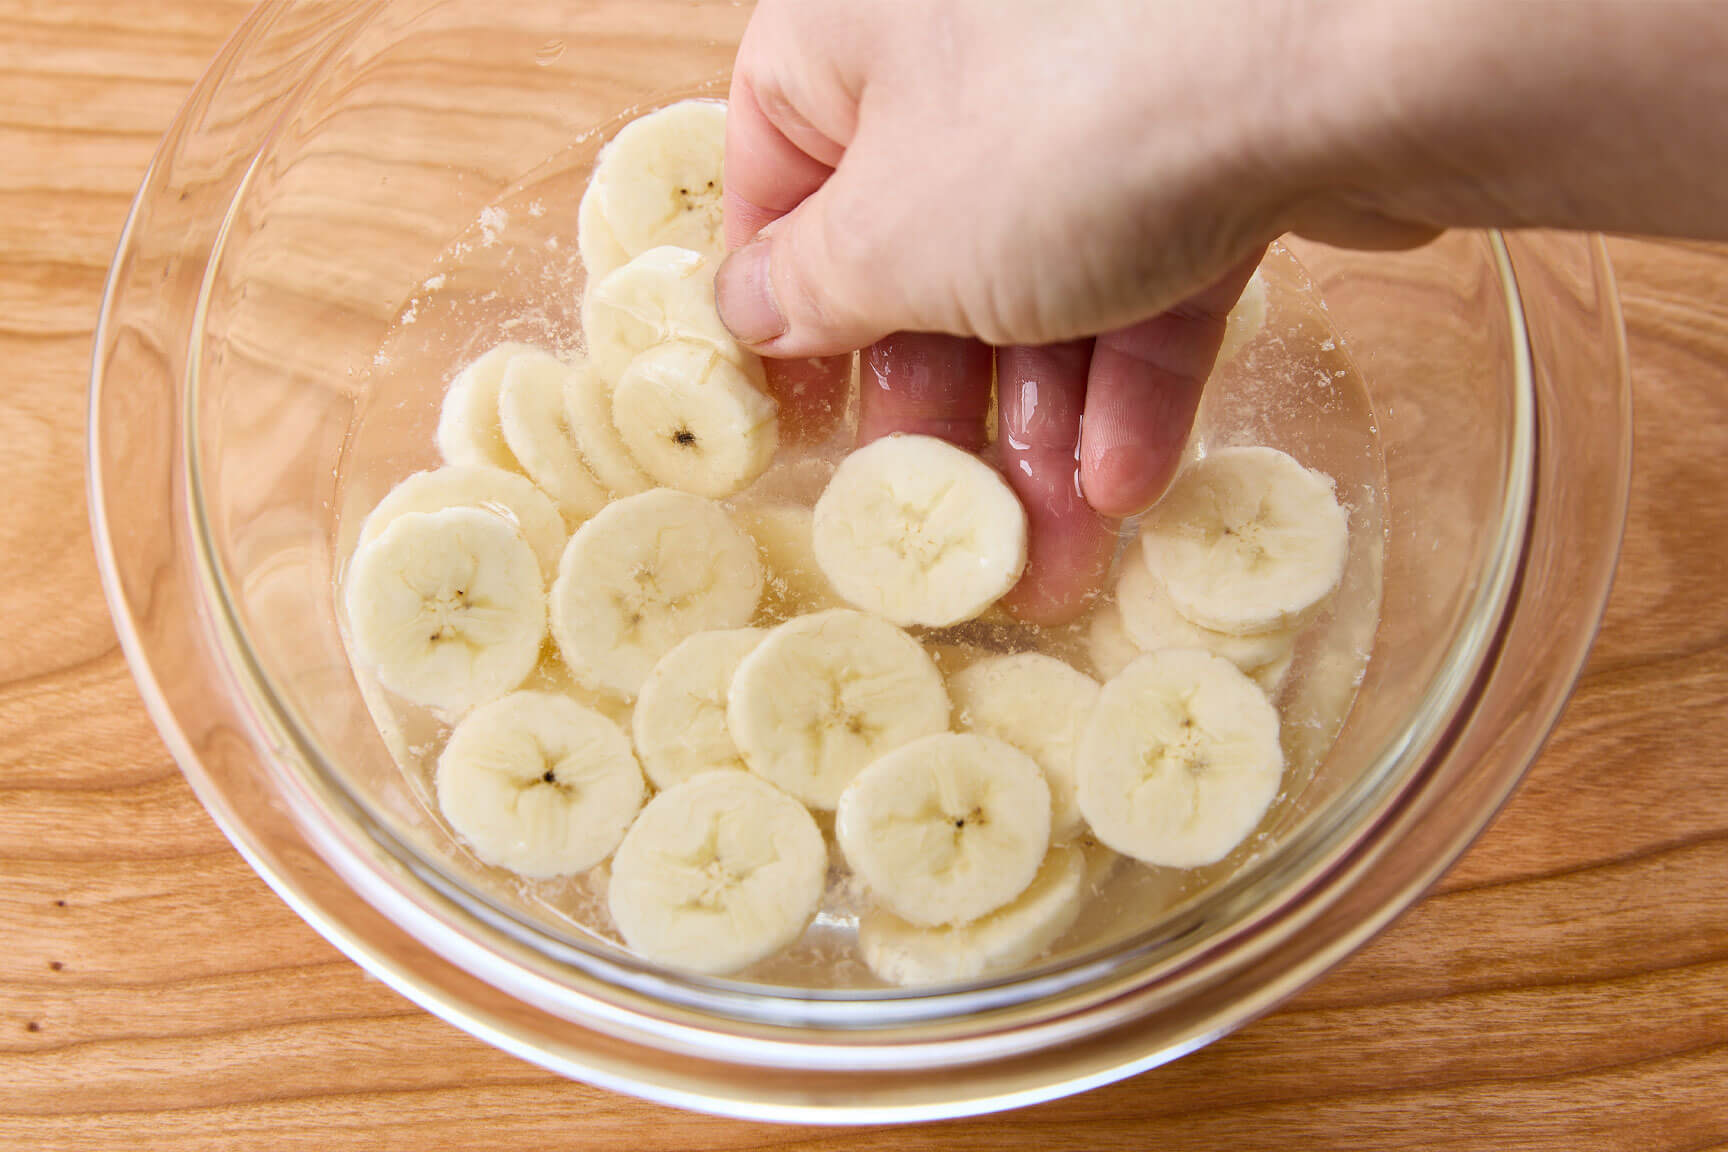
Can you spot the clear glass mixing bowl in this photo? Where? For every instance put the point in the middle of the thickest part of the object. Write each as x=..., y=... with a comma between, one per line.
x=335, y=149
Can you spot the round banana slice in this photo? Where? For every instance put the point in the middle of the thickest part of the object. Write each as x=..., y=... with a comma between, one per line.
x=946, y=829
x=919, y=531
x=1247, y=540
x=588, y=411
x=647, y=572
x=795, y=584
x=680, y=717
x=534, y=414
x=695, y=421
x=663, y=294
x=538, y=784
x=601, y=252
x=468, y=431
x=1245, y=320
x=1180, y=759
x=826, y=694
x=1011, y=937
x=1039, y=705
x=717, y=873
x=448, y=607
x=1153, y=623
x=659, y=180
x=1108, y=642
x=507, y=495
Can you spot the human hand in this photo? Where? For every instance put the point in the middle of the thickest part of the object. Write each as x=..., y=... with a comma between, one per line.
x=1028, y=227
x=1086, y=185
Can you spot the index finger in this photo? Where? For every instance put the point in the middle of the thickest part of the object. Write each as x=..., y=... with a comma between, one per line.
x=766, y=176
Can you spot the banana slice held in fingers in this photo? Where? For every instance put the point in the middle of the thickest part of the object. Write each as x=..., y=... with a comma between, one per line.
x=1012, y=936
x=644, y=574
x=508, y=495
x=533, y=412
x=826, y=694
x=659, y=181
x=717, y=873
x=920, y=532
x=448, y=607
x=1247, y=540
x=1153, y=622
x=468, y=427
x=694, y=420
x=946, y=829
x=1039, y=705
x=663, y=294
x=680, y=717
x=1179, y=760
x=539, y=784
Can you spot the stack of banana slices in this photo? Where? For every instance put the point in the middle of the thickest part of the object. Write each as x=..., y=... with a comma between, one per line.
x=636, y=671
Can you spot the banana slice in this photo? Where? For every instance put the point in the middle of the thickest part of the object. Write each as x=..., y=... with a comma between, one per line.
x=826, y=694
x=1108, y=642
x=538, y=784
x=680, y=718
x=504, y=494
x=663, y=294
x=588, y=411
x=919, y=531
x=646, y=573
x=1245, y=320
x=468, y=431
x=1008, y=938
x=1180, y=759
x=795, y=582
x=695, y=421
x=601, y=252
x=1247, y=540
x=1039, y=705
x=534, y=416
x=449, y=607
x=1153, y=622
x=946, y=829
x=659, y=180
x=717, y=873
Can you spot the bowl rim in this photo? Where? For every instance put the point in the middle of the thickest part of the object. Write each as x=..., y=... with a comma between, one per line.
x=383, y=882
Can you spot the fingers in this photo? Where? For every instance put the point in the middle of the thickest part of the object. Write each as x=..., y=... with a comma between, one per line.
x=926, y=383
x=1041, y=392
x=1142, y=391
x=767, y=175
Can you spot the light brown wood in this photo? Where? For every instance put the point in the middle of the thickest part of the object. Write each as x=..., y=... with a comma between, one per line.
x=1565, y=988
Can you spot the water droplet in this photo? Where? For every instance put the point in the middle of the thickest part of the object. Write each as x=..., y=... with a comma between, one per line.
x=548, y=53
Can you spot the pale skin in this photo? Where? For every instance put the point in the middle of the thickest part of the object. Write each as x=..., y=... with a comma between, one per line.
x=1077, y=191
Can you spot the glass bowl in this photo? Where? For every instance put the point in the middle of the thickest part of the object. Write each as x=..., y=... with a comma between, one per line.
x=336, y=149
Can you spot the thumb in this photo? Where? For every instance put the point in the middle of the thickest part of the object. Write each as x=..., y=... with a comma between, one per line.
x=794, y=290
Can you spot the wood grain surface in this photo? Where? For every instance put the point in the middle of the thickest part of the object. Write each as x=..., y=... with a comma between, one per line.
x=1565, y=988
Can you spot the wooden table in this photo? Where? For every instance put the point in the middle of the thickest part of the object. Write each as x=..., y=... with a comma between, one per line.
x=1565, y=988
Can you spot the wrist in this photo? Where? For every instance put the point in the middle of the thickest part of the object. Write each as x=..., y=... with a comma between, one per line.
x=1583, y=114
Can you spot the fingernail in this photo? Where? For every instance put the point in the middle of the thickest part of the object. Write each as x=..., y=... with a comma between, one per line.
x=744, y=294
